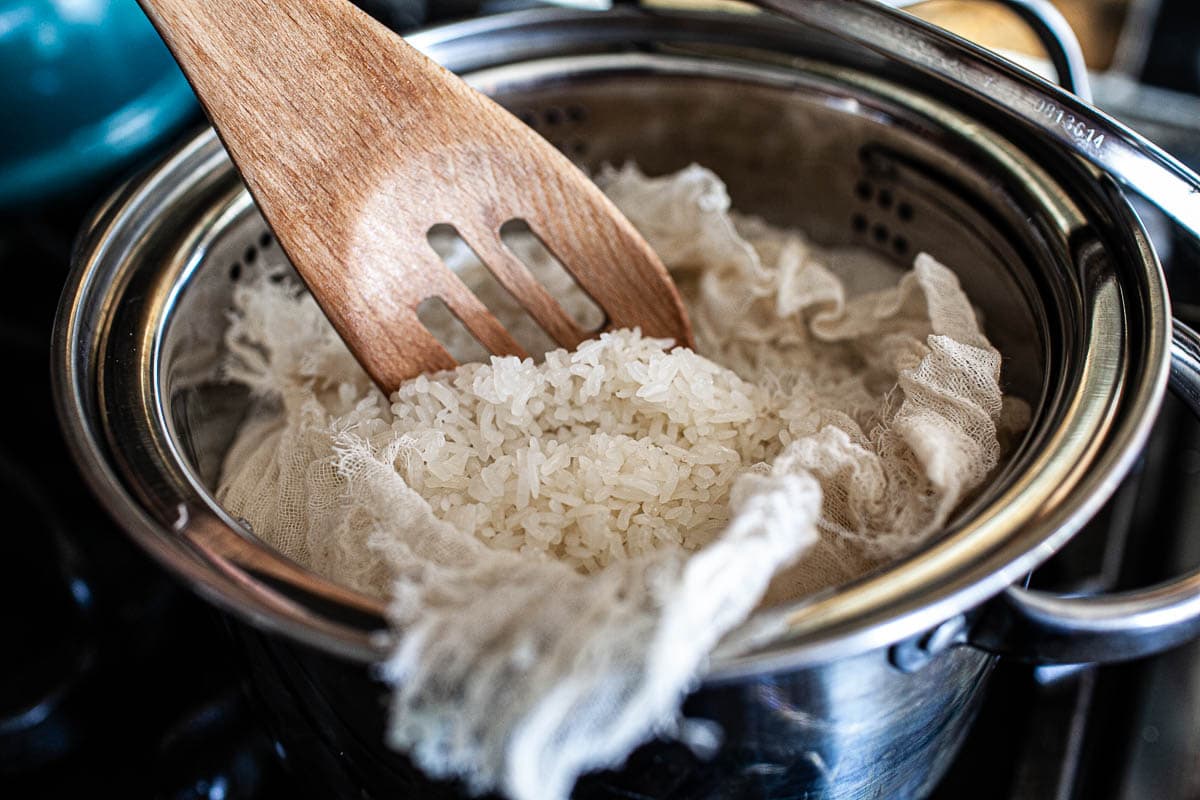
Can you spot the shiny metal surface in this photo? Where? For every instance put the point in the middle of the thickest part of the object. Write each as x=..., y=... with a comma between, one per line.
x=856, y=730
x=1040, y=625
x=1023, y=100
x=1069, y=287
x=1058, y=629
x=1185, y=365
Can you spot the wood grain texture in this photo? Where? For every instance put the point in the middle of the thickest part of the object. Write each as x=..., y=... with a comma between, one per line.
x=354, y=145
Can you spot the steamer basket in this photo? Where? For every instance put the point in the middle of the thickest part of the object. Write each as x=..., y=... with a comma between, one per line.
x=806, y=132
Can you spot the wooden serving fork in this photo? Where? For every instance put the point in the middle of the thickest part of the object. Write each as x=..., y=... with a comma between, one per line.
x=355, y=145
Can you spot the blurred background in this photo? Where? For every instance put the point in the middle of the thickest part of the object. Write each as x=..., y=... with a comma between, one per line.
x=89, y=89
x=1097, y=23
x=111, y=676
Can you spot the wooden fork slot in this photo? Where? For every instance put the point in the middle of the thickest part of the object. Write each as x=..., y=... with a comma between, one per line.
x=440, y=321
x=509, y=286
x=518, y=237
x=524, y=287
x=476, y=317
x=454, y=250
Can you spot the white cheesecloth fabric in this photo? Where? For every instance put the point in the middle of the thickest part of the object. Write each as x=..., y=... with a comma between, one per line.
x=564, y=543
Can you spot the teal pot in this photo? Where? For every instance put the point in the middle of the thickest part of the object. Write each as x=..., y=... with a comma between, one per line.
x=87, y=85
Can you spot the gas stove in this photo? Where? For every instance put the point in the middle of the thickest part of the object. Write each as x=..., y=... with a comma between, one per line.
x=115, y=676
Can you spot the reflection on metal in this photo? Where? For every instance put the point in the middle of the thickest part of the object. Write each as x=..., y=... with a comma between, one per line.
x=1026, y=102
x=915, y=653
x=1128, y=625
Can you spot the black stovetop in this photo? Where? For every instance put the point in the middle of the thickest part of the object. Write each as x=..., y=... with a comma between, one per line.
x=115, y=677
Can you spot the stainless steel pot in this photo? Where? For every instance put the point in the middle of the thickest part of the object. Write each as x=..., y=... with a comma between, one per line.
x=862, y=691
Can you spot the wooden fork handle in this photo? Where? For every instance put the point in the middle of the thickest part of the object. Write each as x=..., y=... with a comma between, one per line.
x=354, y=145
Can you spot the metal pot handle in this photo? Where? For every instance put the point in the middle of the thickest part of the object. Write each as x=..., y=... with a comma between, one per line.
x=1025, y=101
x=1057, y=629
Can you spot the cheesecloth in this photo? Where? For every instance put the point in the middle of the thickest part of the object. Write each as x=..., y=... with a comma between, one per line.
x=563, y=543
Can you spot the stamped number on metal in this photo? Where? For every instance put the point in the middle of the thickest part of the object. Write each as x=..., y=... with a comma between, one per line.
x=1068, y=122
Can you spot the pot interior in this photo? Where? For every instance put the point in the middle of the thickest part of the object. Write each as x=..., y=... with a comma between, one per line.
x=797, y=150
x=850, y=159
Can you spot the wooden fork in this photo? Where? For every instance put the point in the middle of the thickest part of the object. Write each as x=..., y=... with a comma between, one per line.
x=354, y=145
